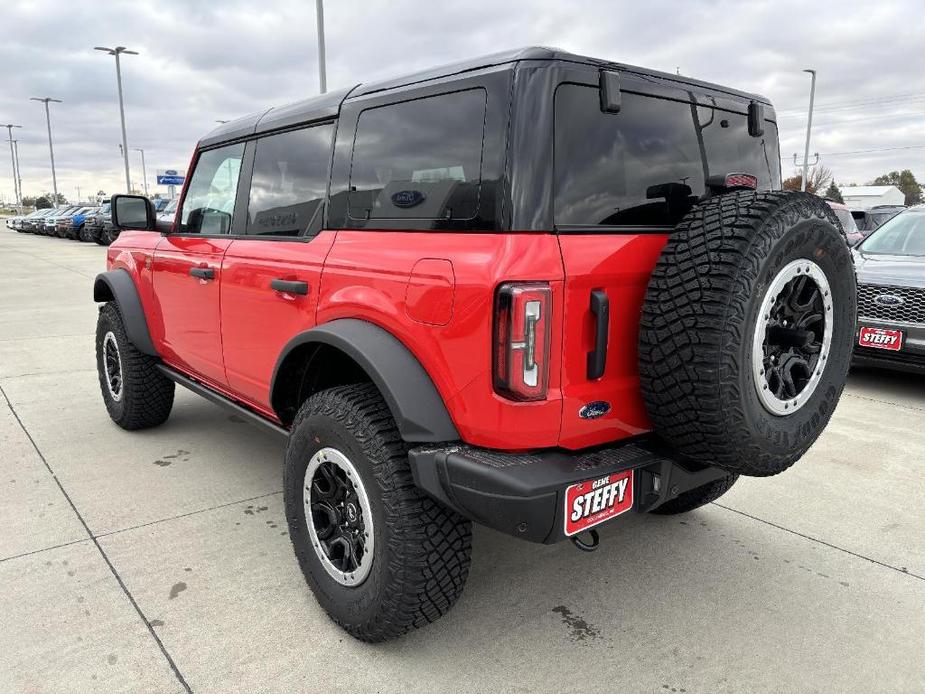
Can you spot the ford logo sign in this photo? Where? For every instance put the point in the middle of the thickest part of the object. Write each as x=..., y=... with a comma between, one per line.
x=889, y=300
x=170, y=172
x=595, y=409
x=408, y=198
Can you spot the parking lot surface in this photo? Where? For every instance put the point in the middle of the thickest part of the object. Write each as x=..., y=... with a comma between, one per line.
x=159, y=561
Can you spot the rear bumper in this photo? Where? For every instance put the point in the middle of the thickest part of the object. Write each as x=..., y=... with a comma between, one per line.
x=523, y=494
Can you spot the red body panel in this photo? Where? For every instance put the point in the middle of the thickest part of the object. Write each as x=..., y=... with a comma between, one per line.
x=257, y=321
x=190, y=308
x=367, y=276
x=433, y=291
x=620, y=265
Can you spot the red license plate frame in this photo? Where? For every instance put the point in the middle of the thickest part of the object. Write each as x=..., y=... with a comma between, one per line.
x=597, y=500
x=888, y=339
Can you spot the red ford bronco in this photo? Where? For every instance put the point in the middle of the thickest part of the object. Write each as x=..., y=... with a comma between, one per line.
x=534, y=290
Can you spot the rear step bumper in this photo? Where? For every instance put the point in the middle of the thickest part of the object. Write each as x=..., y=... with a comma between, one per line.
x=523, y=494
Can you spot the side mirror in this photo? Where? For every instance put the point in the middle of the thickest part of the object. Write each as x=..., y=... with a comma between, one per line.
x=133, y=212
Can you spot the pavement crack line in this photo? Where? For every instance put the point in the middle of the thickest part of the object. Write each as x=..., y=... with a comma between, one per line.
x=897, y=569
x=190, y=513
x=51, y=262
x=44, y=549
x=885, y=402
x=128, y=594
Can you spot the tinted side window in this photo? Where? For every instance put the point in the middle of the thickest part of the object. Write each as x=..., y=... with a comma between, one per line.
x=419, y=159
x=645, y=166
x=289, y=182
x=209, y=204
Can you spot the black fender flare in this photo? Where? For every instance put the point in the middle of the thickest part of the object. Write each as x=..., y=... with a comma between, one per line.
x=412, y=397
x=117, y=285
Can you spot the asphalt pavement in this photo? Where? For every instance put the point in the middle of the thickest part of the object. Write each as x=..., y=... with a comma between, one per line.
x=159, y=561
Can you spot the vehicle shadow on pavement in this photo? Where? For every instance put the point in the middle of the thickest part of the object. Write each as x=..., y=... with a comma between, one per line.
x=887, y=385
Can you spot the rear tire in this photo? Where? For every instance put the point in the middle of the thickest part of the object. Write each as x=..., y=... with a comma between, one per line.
x=747, y=330
x=695, y=498
x=420, y=550
x=137, y=395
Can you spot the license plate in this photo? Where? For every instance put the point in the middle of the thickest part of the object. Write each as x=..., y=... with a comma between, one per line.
x=592, y=502
x=881, y=338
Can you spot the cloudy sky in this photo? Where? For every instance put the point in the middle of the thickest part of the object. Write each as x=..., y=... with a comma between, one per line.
x=201, y=61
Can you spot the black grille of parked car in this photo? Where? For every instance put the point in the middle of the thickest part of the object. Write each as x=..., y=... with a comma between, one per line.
x=884, y=302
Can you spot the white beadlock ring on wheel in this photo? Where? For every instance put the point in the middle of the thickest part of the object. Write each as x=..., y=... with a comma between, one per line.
x=112, y=366
x=792, y=271
x=334, y=457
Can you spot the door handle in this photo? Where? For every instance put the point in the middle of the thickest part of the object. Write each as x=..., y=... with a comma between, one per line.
x=597, y=358
x=203, y=273
x=290, y=286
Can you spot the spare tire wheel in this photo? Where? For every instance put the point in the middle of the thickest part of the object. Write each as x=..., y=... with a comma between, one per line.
x=747, y=330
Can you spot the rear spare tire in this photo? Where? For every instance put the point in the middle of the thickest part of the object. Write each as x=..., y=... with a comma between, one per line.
x=747, y=330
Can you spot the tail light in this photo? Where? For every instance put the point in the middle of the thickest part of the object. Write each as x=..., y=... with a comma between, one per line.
x=741, y=180
x=521, y=340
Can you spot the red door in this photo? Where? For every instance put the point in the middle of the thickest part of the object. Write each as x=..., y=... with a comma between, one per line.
x=270, y=293
x=187, y=279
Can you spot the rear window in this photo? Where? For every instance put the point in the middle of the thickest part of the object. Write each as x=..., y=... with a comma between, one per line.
x=846, y=219
x=647, y=164
x=419, y=159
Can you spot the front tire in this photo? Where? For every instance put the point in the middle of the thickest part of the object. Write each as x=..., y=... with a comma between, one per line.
x=137, y=395
x=381, y=557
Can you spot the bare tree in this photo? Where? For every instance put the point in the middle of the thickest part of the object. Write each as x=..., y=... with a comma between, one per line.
x=819, y=179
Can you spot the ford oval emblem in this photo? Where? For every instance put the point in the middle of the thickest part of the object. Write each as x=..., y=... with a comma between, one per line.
x=408, y=198
x=595, y=409
x=889, y=300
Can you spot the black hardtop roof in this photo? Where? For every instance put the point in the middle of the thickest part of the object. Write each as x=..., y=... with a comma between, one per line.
x=326, y=106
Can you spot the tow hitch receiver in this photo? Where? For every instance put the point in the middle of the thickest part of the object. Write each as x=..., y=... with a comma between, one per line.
x=586, y=546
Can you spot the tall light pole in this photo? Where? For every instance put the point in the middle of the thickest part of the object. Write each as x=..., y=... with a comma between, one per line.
x=319, y=14
x=144, y=171
x=51, y=149
x=809, y=127
x=18, y=171
x=16, y=192
x=117, y=51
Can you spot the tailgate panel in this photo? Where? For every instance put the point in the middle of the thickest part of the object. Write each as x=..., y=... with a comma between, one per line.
x=619, y=264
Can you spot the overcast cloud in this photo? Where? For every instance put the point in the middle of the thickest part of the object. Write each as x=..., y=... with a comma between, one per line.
x=202, y=61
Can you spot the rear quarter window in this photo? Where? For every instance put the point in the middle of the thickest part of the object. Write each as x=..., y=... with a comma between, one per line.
x=647, y=164
x=419, y=159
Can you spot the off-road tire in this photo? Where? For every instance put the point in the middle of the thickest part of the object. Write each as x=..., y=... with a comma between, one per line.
x=146, y=394
x=421, y=548
x=110, y=235
x=695, y=498
x=699, y=319
x=85, y=234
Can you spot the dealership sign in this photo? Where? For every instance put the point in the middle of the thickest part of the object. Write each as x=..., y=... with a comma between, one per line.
x=170, y=177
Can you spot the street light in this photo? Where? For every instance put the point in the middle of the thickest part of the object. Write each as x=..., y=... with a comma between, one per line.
x=144, y=171
x=809, y=126
x=117, y=51
x=51, y=150
x=16, y=192
x=222, y=122
x=18, y=171
x=319, y=15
